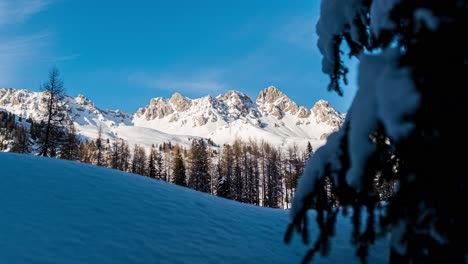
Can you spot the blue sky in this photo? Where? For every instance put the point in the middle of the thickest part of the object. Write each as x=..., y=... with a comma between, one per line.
x=123, y=53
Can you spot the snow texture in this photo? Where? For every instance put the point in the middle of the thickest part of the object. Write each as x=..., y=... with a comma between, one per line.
x=380, y=15
x=396, y=96
x=363, y=121
x=328, y=154
x=386, y=94
x=56, y=211
x=345, y=13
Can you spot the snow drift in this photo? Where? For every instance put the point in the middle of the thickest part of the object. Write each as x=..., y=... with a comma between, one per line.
x=55, y=211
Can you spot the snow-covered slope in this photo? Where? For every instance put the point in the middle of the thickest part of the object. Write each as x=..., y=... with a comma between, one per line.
x=272, y=117
x=55, y=211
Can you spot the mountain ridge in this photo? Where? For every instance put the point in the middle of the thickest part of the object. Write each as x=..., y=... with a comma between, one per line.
x=273, y=116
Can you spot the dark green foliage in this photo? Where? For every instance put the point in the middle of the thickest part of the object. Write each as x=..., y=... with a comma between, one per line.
x=179, y=169
x=151, y=162
x=99, y=148
x=199, y=177
x=309, y=150
x=70, y=149
x=225, y=173
x=21, y=143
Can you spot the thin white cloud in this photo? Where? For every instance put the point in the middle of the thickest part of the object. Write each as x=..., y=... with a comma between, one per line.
x=202, y=82
x=17, y=51
x=20, y=47
x=299, y=32
x=19, y=11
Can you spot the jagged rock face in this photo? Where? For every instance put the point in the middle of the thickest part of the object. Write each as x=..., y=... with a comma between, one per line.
x=25, y=103
x=237, y=104
x=325, y=113
x=83, y=100
x=273, y=101
x=228, y=107
x=234, y=106
x=303, y=112
x=13, y=97
x=158, y=108
x=200, y=121
x=179, y=102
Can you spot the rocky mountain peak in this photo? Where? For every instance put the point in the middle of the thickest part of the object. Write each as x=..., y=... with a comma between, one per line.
x=234, y=95
x=270, y=95
x=14, y=97
x=83, y=100
x=238, y=104
x=273, y=101
x=325, y=113
x=180, y=102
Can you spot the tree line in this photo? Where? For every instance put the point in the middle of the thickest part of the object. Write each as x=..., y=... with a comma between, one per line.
x=246, y=171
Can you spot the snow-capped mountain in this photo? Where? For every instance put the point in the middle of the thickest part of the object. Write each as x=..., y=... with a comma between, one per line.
x=273, y=117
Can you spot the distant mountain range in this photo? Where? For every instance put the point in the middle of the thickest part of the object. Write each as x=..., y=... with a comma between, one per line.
x=273, y=117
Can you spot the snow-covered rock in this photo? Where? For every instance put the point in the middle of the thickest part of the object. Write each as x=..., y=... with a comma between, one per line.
x=272, y=117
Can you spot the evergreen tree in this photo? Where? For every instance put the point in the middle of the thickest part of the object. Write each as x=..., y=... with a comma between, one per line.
x=124, y=155
x=179, y=168
x=199, y=178
x=99, y=148
x=225, y=176
x=21, y=143
x=396, y=130
x=70, y=149
x=159, y=168
x=309, y=151
x=151, y=162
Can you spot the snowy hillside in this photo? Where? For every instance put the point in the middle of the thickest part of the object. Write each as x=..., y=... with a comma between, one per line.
x=56, y=211
x=272, y=117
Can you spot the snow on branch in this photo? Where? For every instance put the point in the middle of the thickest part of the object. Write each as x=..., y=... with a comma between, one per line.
x=340, y=20
x=386, y=95
x=327, y=155
x=380, y=16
